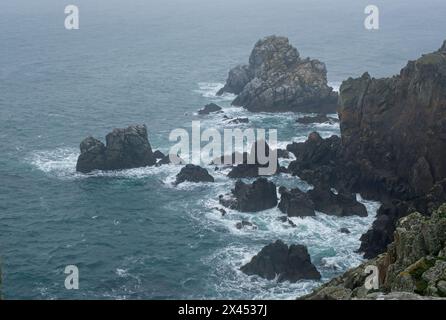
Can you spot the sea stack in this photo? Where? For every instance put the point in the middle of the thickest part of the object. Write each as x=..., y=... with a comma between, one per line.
x=277, y=79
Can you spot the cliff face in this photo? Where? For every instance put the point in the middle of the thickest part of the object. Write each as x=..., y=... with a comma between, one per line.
x=394, y=129
x=277, y=80
x=413, y=267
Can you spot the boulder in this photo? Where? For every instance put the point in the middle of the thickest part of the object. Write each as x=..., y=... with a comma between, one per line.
x=291, y=263
x=277, y=79
x=193, y=173
x=124, y=149
x=295, y=203
x=209, y=108
x=158, y=154
x=258, y=196
x=340, y=204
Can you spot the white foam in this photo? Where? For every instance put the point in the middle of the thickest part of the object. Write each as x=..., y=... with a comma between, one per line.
x=209, y=90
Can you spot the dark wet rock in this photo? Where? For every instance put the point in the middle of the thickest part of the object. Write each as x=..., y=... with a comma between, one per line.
x=344, y=230
x=193, y=173
x=158, y=154
x=295, y=203
x=277, y=79
x=209, y=108
x=238, y=120
x=318, y=161
x=258, y=196
x=291, y=263
x=285, y=219
x=251, y=163
x=167, y=160
x=320, y=118
x=284, y=154
x=245, y=224
x=221, y=210
x=341, y=204
x=124, y=149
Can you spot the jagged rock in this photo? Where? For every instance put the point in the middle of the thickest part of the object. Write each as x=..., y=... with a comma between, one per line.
x=277, y=80
x=320, y=118
x=158, y=154
x=238, y=78
x=395, y=127
x=291, y=263
x=317, y=160
x=258, y=196
x=295, y=203
x=167, y=160
x=251, y=162
x=193, y=173
x=125, y=149
x=209, y=108
x=412, y=266
x=341, y=204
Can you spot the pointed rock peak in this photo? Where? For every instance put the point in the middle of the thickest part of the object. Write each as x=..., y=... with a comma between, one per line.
x=443, y=47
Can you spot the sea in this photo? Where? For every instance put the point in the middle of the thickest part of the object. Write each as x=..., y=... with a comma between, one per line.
x=132, y=234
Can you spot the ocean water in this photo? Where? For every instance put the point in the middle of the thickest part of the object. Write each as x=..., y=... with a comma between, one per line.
x=132, y=234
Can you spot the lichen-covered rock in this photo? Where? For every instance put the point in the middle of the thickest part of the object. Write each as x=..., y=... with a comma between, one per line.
x=124, y=149
x=278, y=80
x=413, y=263
x=291, y=263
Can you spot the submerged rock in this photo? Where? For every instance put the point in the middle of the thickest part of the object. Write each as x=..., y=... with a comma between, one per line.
x=209, y=108
x=258, y=196
x=320, y=118
x=193, y=173
x=124, y=149
x=278, y=80
x=291, y=263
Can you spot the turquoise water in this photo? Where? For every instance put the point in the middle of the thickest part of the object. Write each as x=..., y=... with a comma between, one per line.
x=131, y=233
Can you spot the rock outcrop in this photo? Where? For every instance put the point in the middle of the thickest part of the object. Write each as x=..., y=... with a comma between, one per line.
x=291, y=263
x=277, y=79
x=251, y=162
x=124, y=149
x=341, y=204
x=209, y=108
x=413, y=266
x=258, y=196
x=296, y=203
x=193, y=173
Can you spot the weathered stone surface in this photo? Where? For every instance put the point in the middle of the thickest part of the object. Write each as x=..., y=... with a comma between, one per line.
x=125, y=149
x=413, y=263
x=291, y=263
x=258, y=196
x=277, y=80
x=295, y=203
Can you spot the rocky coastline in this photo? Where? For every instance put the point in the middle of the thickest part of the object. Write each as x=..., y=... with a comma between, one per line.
x=391, y=149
